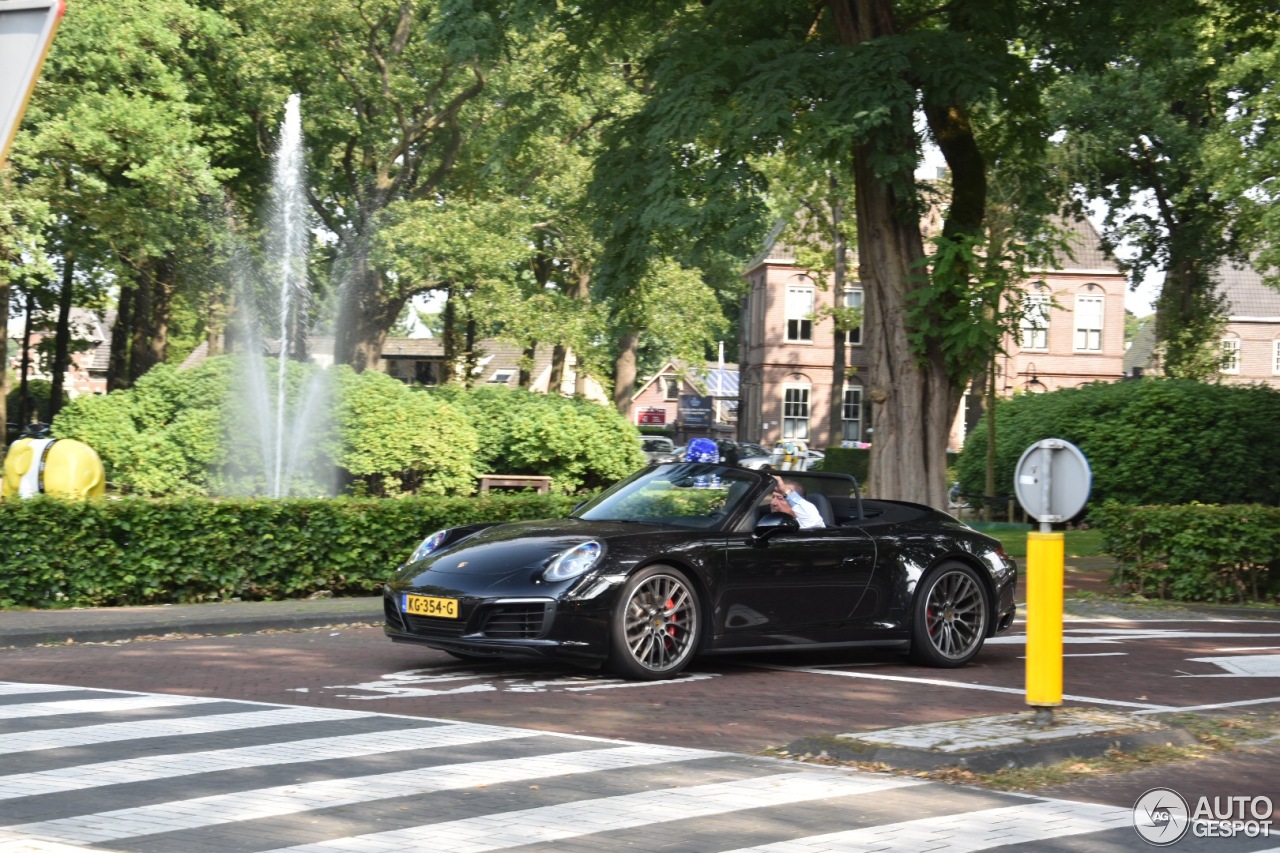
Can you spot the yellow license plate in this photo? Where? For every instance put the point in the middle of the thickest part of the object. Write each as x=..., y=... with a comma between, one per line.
x=425, y=605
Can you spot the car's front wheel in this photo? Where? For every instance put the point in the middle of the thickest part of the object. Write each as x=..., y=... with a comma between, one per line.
x=950, y=615
x=655, y=627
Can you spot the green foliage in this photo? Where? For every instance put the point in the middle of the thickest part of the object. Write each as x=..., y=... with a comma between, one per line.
x=579, y=444
x=1148, y=442
x=58, y=553
x=1195, y=552
x=848, y=460
x=178, y=433
x=401, y=441
x=163, y=437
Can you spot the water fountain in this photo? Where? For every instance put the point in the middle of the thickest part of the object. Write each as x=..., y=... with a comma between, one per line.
x=285, y=404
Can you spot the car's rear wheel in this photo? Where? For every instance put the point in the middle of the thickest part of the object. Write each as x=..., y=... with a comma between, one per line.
x=950, y=616
x=655, y=628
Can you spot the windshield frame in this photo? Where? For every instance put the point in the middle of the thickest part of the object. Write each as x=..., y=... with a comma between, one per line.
x=742, y=488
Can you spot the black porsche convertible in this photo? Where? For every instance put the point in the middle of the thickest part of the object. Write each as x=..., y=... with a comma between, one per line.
x=683, y=559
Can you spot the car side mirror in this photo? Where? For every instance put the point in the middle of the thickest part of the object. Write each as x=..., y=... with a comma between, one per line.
x=771, y=524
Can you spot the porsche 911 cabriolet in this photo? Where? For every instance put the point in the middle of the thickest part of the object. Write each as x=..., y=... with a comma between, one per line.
x=685, y=559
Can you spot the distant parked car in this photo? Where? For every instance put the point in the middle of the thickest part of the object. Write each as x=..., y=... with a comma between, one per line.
x=658, y=448
x=759, y=457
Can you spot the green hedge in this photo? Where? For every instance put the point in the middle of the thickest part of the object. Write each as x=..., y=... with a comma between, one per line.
x=1153, y=442
x=848, y=460
x=1195, y=552
x=58, y=553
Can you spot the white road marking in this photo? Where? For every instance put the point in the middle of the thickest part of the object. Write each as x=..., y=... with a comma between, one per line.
x=1272, y=700
x=937, y=682
x=418, y=683
x=97, y=706
x=112, y=732
x=147, y=768
x=980, y=830
x=571, y=820
x=1242, y=666
x=293, y=799
x=10, y=689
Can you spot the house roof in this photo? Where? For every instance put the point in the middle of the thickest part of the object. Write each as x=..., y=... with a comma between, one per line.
x=708, y=378
x=1084, y=249
x=1245, y=293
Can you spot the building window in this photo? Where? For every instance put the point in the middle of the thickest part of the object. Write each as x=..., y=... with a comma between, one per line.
x=1230, y=361
x=795, y=411
x=851, y=414
x=427, y=372
x=1275, y=358
x=501, y=376
x=799, y=314
x=670, y=388
x=1088, y=324
x=1035, y=320
x=853, y=299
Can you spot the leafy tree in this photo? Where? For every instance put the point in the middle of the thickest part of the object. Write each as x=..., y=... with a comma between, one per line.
x=1243, y=153
x=117, y=144
x=1141, y=133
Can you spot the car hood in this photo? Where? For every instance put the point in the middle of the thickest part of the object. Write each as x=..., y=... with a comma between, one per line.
x=518, y=548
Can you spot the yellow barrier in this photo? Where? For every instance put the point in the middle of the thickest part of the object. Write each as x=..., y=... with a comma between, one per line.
x=1045, y=553
x=61, y=467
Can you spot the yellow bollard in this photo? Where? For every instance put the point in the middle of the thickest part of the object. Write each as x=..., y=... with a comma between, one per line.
x=1044, y=619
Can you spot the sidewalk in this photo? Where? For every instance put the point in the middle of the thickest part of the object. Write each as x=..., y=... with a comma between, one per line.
x=103, y=624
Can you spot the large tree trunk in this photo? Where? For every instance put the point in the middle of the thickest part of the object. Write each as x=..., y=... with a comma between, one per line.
x=362, y=325
x=121, y=332
x=1189, y=316
x=4, y=363
x=150, y=339
x=559, y=354
x=835, y=420
x=62, y=336
x=909, y=423
x=582, y=294
x=913, y=398
x=25, y=415
x=624, y=384
x=526, y=368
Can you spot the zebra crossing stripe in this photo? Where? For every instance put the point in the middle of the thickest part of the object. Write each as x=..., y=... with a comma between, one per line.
x=10, y=688
x=292, y=799
x=112, y=732
x=149, y=768
x=968, y=831
x=98, y=706
x=15, y=844
x=586, y=817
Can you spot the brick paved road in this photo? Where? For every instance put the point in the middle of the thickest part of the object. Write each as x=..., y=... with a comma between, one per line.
x=110, y=770
x=737, y=705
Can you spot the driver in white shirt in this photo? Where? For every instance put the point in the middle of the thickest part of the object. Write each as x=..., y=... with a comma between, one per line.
x=789, y=498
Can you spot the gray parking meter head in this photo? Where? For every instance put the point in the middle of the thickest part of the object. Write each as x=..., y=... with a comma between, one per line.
x=1052, y=480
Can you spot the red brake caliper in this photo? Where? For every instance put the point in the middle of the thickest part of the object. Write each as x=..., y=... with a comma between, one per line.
x=671, y=629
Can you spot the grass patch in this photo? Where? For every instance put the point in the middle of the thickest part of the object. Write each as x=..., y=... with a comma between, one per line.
x=1076, y=543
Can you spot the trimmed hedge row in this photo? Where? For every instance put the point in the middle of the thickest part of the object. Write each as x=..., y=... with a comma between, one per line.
x=848, y=460
x=128, y=551
x=1195, y=552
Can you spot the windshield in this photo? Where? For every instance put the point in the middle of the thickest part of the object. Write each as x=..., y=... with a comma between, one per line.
x=657, y=445
x=684, y=494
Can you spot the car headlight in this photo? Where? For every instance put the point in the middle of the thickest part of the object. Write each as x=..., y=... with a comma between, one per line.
x=575, y=561
x=428, y=545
